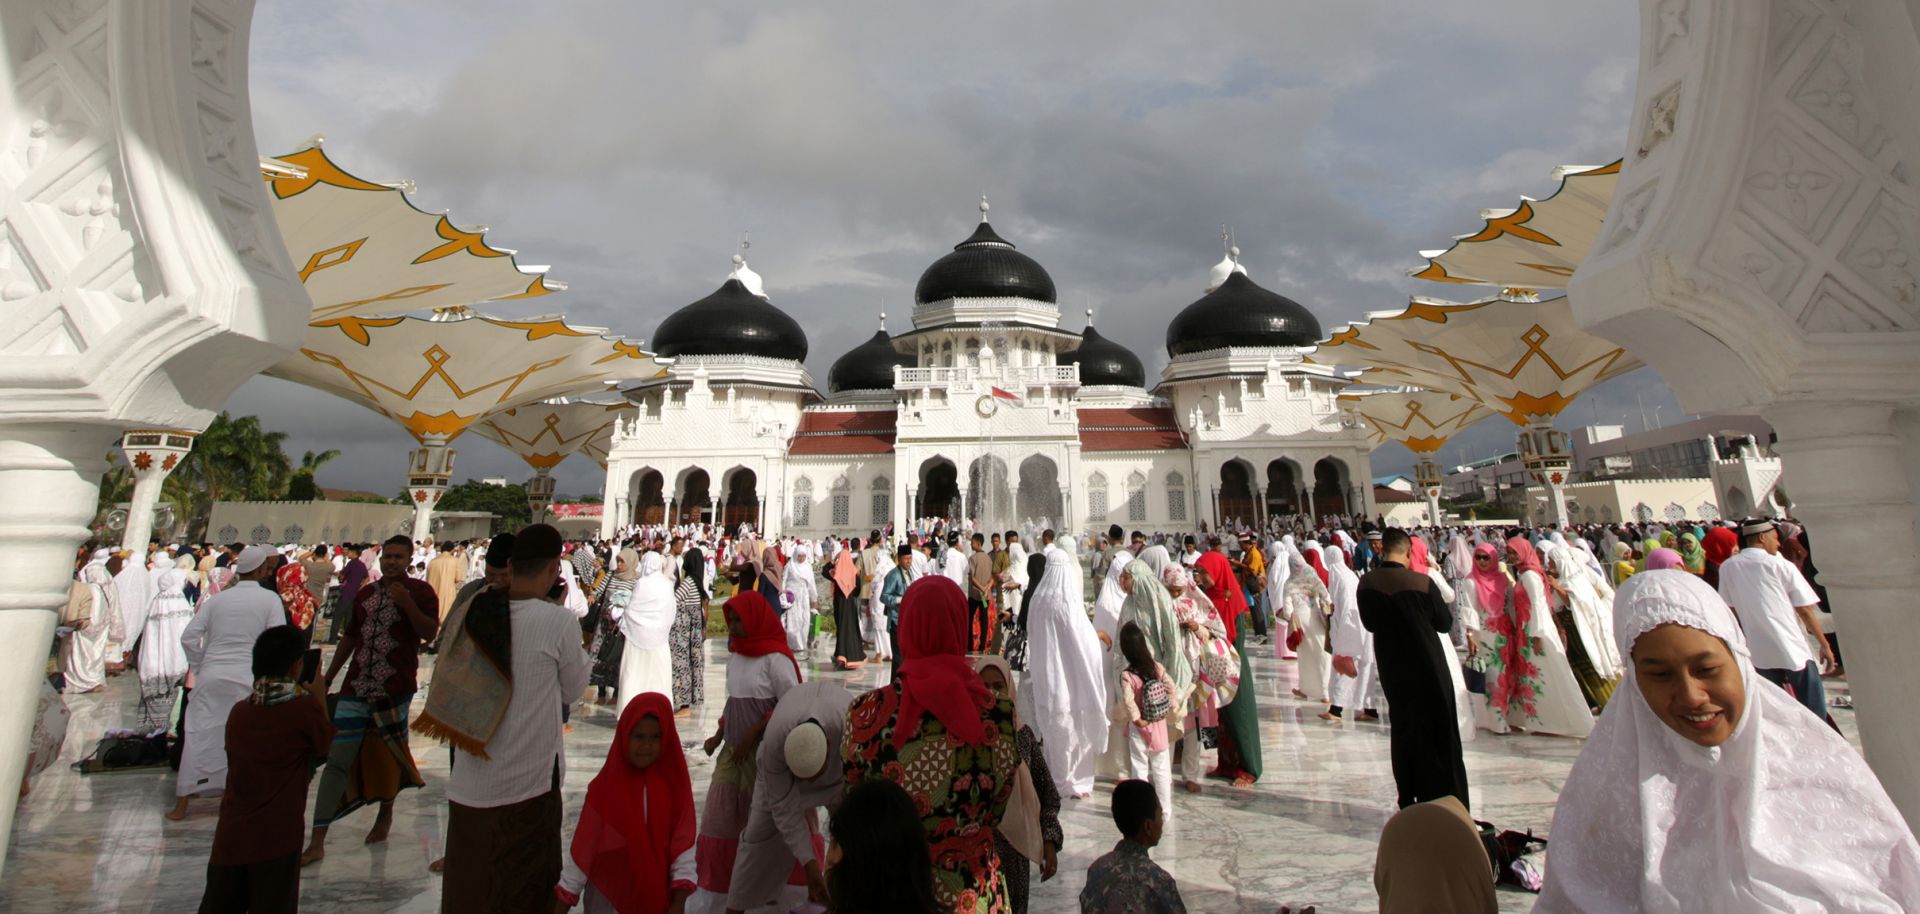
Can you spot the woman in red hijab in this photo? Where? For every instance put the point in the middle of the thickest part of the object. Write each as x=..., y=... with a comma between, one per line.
x=938, y=725
x=1721, y=543
x=1240, y=719
x=633, y=848
x=761, y=668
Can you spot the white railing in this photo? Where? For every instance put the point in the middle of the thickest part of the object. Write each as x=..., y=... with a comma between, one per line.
x=966, y=376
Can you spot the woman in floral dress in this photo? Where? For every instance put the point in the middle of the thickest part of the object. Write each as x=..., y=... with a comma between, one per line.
x=688, y=640
x=1016, y=868
x=938, y=733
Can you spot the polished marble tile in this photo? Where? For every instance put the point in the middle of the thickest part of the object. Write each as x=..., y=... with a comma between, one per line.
x=1305, y=833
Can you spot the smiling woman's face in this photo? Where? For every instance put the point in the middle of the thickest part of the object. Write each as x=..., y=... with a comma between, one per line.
x=1691, y=682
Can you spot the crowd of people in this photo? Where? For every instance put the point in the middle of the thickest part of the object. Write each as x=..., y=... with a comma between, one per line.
x=1022, y=669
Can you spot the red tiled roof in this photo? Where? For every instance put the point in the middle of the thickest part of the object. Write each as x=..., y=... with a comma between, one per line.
x=834, y=433
x=1139, y=428
x=1390, y=495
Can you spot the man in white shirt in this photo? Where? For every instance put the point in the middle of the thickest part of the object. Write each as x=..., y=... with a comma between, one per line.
x=503, y=828
x=954, y=564
x=1778, y=609
x=218, y=644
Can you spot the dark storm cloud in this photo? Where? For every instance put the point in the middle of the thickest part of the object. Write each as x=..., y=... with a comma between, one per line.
x=629, y=145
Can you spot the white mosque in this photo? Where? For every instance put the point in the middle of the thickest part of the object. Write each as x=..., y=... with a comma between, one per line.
x=988, y=411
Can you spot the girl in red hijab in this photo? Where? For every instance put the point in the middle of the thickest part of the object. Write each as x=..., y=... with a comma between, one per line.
x=760, y=670
x=633, y=848
x=938, y=733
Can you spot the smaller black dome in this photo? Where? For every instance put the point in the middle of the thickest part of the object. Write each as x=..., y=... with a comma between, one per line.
x=1103, y=361
x=731, y=321
x=984, y=266
x=1241, y=313
x=868, y=366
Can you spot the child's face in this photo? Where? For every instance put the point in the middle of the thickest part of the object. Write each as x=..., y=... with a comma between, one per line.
x=995, y=680
x=643, y=743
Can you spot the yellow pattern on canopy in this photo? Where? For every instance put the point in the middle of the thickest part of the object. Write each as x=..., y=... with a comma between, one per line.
x=438, y=377
x=1536, y=245
x=544, y=434
x=363, y=249
x=1420, y=419
x=1525, y=360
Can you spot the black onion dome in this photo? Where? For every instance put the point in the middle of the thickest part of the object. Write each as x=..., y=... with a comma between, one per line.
x=731, y=321
x=868, y=366
x=1241, y=313
x=1103, y=361
x=984, y=266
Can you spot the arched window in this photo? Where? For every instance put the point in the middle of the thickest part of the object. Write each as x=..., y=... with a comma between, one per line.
x=842, y=503
x=260, y=533
x=1097, y=497
x=1675, y=512
x=1709, y=511
x=803, y=502
x=1176, y=496
x=882, y=507
x=1136, y=498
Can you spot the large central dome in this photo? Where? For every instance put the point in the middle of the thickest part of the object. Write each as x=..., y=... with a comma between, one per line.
x=1239, y=312
x=984, y=266
x=734, y=320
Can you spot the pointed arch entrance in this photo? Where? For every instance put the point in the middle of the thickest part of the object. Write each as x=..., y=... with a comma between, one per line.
x=1329, y=487
x=1038, y=499
x=695, y=502
x=1283, y=487
x=1236, y=492
x=939, y=489
x=649, y=498
x=742, y=502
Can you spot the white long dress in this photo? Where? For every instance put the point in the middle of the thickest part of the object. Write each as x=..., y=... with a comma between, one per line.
x=218, y=644
x=1462, y=699
x=646, y=663
x=1470, y=615
x=1350, y=638
x=797, y=580
x=84, y=657
x=134, y=584
x=1068, y=670
x=1560, y=706
x=163, y=663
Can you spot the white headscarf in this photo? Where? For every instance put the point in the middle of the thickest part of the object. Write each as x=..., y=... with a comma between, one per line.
x=1069, y=688
x=1592, y=609
x=1017, y=564
x=1077, y=581
x=648, y=616
x=1343, y=588
x=1107, y=603
x=1782, y=817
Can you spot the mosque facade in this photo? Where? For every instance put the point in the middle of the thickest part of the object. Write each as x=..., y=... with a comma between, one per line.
x=988, y=413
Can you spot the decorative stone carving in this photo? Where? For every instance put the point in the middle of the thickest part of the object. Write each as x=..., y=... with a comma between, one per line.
x=1662, y=114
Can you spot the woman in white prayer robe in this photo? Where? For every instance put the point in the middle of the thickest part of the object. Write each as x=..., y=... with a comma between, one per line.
x=1349, y=639
x=796, y=582
x=163, y=664
x=1705, y=789
x=1069, y=675
x=646, y=663
x=90, y=611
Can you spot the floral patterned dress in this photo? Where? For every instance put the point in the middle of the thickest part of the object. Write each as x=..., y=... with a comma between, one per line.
x=961, y=791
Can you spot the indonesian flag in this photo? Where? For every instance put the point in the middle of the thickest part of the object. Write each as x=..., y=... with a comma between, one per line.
x=1006, y=395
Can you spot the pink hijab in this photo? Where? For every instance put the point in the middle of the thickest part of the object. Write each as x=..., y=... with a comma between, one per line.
x=1664, y=558
x=1417, y=560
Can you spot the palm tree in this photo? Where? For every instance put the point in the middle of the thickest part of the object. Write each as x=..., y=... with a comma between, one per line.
x=302, y=486
x=233, y=459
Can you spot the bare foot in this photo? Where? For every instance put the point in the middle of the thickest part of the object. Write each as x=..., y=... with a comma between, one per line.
x=313, y=854
x=381, y=826
x=437, y=865
x=1329, y=715
x=1192, y=787
x=1299, y=694
x=1243, y=780
x=179, y=811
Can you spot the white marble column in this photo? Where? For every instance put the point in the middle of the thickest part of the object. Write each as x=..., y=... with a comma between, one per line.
x=429, y=474
x=151, y=455
x=143, y=277
x=1852, y=487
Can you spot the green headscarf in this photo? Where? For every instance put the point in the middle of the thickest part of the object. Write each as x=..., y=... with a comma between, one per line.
x=1646, y=549
x=1149, y=606
x=1692, y=556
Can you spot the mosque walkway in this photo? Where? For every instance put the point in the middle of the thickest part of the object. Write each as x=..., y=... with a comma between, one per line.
x=1305, y=833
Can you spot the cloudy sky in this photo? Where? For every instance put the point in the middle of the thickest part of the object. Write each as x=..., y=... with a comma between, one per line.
x=630, y=144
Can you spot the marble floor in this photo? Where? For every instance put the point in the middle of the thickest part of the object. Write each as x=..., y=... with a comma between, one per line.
x=1305, y=834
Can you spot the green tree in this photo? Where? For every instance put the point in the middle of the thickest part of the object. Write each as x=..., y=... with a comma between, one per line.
x=233, y=460
x=508, y=503
x=301, y=485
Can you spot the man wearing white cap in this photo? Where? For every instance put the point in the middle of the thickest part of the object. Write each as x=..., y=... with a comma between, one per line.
x=799, y=771
x=1778, y=609
x=219, y=648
